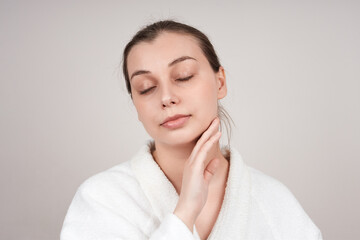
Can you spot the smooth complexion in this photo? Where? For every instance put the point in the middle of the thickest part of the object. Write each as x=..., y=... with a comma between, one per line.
x=175, y=92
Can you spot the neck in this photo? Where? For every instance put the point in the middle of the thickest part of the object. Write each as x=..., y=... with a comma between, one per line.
x=171, y=160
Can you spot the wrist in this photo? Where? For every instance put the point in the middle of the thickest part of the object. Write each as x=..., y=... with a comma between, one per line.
x=187, y=218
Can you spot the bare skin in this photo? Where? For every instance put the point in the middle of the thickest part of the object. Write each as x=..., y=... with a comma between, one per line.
x=199, y=174
x=171, y=76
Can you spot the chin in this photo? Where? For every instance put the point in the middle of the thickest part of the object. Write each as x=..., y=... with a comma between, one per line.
x=179, y=137
x=188, y=134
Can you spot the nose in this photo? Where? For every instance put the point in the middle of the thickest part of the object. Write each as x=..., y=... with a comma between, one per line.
x=169, y=98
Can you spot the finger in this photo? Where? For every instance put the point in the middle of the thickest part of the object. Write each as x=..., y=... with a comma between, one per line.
x=211, y=130
x=210, y=170
x=205, y=149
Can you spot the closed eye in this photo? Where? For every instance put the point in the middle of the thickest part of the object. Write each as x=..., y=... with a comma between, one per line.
x=178, y=79
x=147, y=90
x=185, y=78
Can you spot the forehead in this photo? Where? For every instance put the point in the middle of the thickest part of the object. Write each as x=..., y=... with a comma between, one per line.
x=162, y=50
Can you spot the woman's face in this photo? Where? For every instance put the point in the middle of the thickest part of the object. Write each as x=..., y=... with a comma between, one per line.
x=170, y=77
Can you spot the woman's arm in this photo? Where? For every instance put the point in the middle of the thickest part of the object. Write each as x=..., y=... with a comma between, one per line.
x=198, y=171
x=108, y=213
x=90, y=219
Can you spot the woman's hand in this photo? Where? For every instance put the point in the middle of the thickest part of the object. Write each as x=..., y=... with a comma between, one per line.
x=198, y=171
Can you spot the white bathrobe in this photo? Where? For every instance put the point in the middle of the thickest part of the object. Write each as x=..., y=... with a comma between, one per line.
x=135, y=200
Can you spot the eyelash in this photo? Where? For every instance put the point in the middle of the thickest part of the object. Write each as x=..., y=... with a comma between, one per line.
x=179, y=79
x=146, y=90
x=185, y=78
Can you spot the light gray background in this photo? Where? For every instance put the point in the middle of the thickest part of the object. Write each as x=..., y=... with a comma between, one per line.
x=293, y=77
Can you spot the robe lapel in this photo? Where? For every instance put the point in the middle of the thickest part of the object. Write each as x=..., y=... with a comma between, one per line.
x=232, y=220
x=156, y=186
x=233, y=217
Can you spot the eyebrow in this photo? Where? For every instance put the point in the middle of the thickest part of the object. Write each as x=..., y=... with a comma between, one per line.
x=139, y=72
x=180, y=59
x=177, y=60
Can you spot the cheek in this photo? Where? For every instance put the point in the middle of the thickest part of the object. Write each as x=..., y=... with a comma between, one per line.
x=206, y=102
x=143, y=111
x=207, y=95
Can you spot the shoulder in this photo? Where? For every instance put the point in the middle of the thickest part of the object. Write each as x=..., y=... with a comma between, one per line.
x=117, y=182
x=280, y=208
x=115, y=188
x=269, y=188
x=106, y=204
x=112, y=193
x=119, y=174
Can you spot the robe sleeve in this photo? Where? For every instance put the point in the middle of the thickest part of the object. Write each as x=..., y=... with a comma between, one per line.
x=172, y=227
x=282, y=211
x=88, y=219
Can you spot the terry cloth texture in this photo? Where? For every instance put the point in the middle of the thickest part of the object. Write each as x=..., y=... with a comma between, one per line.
x=135, y=200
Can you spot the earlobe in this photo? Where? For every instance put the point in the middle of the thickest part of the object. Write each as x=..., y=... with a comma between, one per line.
x=221, y=80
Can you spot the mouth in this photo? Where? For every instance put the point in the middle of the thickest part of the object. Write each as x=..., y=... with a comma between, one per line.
x=175, y=121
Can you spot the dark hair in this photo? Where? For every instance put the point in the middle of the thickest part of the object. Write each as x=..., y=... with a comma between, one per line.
x=150, y=32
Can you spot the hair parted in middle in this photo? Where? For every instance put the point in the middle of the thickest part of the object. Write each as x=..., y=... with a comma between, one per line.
x=150, y=32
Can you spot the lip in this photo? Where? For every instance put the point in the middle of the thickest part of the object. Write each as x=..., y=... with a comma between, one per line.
x=175, y=121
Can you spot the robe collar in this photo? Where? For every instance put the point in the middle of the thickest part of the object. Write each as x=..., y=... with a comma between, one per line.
x=233, y=216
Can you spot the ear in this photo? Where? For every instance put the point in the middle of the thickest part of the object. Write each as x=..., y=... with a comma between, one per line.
x=221, y=83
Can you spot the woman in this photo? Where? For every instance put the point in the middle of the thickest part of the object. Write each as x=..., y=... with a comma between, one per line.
x=182, y=185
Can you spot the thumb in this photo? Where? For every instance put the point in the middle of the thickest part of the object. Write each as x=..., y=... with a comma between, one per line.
x=211, y=169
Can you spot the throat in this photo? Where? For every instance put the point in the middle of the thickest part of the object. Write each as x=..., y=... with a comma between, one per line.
x=209, y=214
